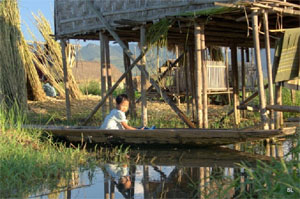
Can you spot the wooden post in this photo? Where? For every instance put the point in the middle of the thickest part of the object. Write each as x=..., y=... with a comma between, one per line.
x=177, y=81
x=103, y=72
x=243, y=79
x=192, y=80
x=278, y=97
x=163, y=94
x=110, y=91
x=269, y=66
x=263, y=110
x=66, y=80
x=228, y=76
x=198, y=71
x=108, y=70
x=187, y=81
x=235, y=76
x=129, y=85
x=204, y=79
x=143, y=79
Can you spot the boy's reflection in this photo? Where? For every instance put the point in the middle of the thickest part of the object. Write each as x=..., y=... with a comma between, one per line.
x=120, y=177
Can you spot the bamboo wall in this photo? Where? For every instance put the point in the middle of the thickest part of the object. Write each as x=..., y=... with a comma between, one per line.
x=73, y=17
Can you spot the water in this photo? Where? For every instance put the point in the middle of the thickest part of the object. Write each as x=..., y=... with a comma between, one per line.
x=168, y=173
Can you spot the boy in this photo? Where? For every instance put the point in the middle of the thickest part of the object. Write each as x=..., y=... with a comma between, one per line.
x=117, y=118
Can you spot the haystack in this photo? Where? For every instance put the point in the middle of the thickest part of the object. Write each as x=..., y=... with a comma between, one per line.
x=48, y=59
x=12, y=73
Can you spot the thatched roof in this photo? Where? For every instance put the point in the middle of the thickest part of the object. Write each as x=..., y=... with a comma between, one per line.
x=225, y=23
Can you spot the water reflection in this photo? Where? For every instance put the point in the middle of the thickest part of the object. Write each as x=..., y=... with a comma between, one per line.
x=170, y=173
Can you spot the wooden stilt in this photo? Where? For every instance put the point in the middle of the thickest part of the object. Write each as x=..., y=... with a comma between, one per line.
x=153, y=82
x=278, y=97
x=103, y=72
x=193, y=81
x=263, y=111
x=108, y=70
x=204, y=79
x=177, y=81
x=269, y=66
x=187, y=82
x=143, y=79
x=129, y=85
x=243, y=79
x=66, y=81
x=293, y=96
x=228, y=76
x=198, y=71
x=235, y=75
x=110, y=91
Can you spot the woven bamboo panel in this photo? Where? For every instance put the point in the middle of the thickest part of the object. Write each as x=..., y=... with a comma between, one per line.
x=73, y=17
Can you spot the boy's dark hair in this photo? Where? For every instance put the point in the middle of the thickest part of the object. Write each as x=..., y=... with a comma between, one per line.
x=121, y=98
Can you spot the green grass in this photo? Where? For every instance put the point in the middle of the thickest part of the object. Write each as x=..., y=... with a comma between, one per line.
x=30, y=161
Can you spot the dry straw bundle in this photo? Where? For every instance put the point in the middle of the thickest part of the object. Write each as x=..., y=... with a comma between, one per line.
x=48, y=59
x=12, y=74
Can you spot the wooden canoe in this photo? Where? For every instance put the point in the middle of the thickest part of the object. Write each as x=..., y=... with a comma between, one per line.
x=191, y=137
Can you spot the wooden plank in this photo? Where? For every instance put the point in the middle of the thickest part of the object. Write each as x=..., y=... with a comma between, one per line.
x=144, y=113
x=235, y=76
x=269, y=66
x=66, y=80
x=192, y=137
x=283, y=108
x=128, y=52
x=262, y=99
x=198, y=72
x=103, y=73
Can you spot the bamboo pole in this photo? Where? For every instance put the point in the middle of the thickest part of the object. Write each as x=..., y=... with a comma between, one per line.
x=108, y=70
x=143, y=78
x=159, y=79
x=68, y=104
x=198, y=71
x=177, y=81
x=269, y=66
x=129, y=85
x=204, y=79
x=164, y=95
x=245, y=102
x=192, y=80
x=103, y=72
x=228, y=76
x=243, y=79
x=187, y=82
x=263, y=111
x=235, y=75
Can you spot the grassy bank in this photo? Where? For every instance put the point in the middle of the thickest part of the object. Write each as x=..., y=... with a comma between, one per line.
x=30, y=161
